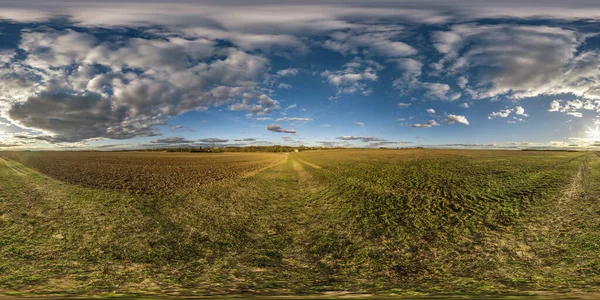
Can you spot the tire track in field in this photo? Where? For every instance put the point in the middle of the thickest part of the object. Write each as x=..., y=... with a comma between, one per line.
x=253, y=173
x=10, y=165
x=305, y=180
x=307, y=214
x=538, y=242
x=308, y=164
x=535, y=246
x=575, y=188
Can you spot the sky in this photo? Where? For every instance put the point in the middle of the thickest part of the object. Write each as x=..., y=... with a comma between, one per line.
x=150, y=74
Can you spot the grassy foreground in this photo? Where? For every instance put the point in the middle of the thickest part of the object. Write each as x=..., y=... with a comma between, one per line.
x=410, y=222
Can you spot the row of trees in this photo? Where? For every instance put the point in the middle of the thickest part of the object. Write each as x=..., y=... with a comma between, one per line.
x=275, y=148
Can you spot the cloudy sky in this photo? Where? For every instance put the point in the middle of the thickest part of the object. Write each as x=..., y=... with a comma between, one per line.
x=130, y=74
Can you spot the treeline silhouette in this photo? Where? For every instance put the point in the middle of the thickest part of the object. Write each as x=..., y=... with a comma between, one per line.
x=275, y=148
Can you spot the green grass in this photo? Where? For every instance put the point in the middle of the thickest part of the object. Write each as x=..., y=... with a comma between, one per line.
x=409, y=222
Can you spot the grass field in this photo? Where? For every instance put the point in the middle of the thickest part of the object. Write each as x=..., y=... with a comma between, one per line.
x=388, y=222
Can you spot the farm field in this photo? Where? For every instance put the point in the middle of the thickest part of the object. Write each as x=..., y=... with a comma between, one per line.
x=387, y=222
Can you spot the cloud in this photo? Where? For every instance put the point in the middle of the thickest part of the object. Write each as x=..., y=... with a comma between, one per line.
x=289, y=17
x=294, y=119
x=264, y=104
x=439, y=91
x=384, y=143
x=430, y=90
x=278, y=128
x=60, y=74
x=404, y=104
x=180, y=128
x=554, y=105
x=245, y=140
x=330, y=143
x=518, y=61
x=411, y=71
x=284, y=86
x=427, y=124
x=287, y=72
x=364, y=139
x=519, y=110
x=431, y=110
x=372, y=40
x=360, y=124
x=451, y=119
x=354, y=77
x=574, y=107
x=72, y=118
x=171, y=140
x=261, y=118
x=501, y=114
x=213, y=140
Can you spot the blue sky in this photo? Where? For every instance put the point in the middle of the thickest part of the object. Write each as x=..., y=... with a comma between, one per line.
x=139, y=74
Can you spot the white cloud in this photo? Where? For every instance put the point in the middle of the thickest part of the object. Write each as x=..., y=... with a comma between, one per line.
x=284, y=86
x=462, y=82
x=574, y=107
x=519, y=110
x=360, y=124
x=439, y=91
x=412, y=69
x=287, y=72
x=294, y=119
x=364, y=139
x=354, y=77
x=370, y=39
x=554, y=105
x=519, y=61
x=451, y=119
x=431, y=110
x=501, y=114
x=427, y=124
x=404, y=104
x=464, y=105
x=431, y=90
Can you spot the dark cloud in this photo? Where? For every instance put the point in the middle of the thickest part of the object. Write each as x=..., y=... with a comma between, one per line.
x=75, y=117
x=213, y=140
x=171, y=140
x=278, y=128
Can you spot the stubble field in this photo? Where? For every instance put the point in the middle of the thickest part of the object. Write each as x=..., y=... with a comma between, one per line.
x=403, y=222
